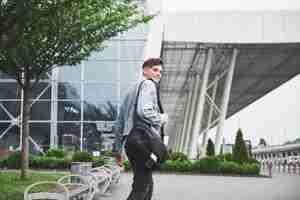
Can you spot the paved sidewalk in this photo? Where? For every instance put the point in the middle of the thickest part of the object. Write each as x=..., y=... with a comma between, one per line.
x=201, y=187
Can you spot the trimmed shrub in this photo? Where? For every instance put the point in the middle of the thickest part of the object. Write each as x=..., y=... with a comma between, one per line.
x=210, y=149
x=82, y=156
x=177, y=166
x=43, y=162
x=209, y=164
x=107, y=153
x=57, y=153
x=249, y=169
x=240, y=153
x=99, y=161
x=14, y=160
x=178, y=156
x=253, y=161
x=229, y=167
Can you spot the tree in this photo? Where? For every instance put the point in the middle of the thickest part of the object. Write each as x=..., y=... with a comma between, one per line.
x=37, y=36
x=240, y=153
x=210, y=149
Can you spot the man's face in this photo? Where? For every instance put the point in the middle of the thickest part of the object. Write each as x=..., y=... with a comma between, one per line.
x=153, y=72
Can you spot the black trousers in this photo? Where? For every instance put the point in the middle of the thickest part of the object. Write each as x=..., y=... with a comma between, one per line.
x=142, y=186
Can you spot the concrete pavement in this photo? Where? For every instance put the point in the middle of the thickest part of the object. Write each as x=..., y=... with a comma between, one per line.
x=208, y=187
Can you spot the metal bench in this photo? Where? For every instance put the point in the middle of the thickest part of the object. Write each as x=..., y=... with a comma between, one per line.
x=79, y=187
x=35, y=191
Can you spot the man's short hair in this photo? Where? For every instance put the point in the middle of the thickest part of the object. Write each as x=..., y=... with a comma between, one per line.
x=152, y=62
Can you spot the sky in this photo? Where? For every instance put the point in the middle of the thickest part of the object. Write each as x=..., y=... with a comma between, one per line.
x=276, y=116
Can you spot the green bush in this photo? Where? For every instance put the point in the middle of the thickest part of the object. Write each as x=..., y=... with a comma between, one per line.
x=229, y=167
x=13, y=161
x=57, y=153
x=210, y=164
x=82, y=156
x=99, y=161
x=253, y=161
x=249, y=169
x=177, y=166
x=43, y=162
x=177, y=156
x=210, y=149
x=225, y=157
x=107, y=153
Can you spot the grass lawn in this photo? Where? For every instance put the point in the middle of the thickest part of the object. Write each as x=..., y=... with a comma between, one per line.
x=12, y=188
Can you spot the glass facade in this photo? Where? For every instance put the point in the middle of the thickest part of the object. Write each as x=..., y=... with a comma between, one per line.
x=75, y=108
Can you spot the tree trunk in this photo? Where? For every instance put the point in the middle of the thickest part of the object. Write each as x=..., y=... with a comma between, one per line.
x=25, y=127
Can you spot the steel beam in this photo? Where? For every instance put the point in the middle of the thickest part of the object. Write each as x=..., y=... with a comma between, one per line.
x=192, y=145
x=225, y=101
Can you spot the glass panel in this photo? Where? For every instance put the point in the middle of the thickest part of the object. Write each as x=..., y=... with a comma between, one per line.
x=41, y=110
x=104, y=92
x=69, y=91
x=69, y=111
x=39, y=88
x=93, y=111
x=100, y=71
x=125, y=88
x=92, y=140
x=5, y=76
x=69, y=136
x=13, y=107
x=139, y=32
x=9, y=91
x=132, y=50
x=11, y=138
x=40, y=133
x=131, y=71
x=110, y=51
x=69, y=73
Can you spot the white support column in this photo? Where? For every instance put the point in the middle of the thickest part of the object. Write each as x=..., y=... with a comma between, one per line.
x=54, y=108
x=200, y=106
x=183, y=132
x=191, y=115
x=225, y=101
x=210, y=115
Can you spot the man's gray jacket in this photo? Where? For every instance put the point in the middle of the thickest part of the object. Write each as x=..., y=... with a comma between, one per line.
x=147, y=109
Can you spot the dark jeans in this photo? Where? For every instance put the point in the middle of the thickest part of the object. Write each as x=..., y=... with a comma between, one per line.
x=142, y=186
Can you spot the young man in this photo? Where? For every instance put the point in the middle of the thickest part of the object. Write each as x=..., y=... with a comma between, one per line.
x=148, y=110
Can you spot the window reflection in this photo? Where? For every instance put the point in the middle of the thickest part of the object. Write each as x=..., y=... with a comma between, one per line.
x=110, y=51
x=12, y=107
x=69, y=136
x=40, y=133
x=69, y=91
x=104, y=92
x=132, y=50
x=11, y=137
x=100, y=111
x=100, y=71
x=69, y=73
x=92, y=137
x=130, y=71
x=43, y=89
x=69, y=110
x=41, y=110
x=10, y=90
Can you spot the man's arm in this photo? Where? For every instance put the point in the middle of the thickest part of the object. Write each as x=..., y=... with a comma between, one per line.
x=147, y=104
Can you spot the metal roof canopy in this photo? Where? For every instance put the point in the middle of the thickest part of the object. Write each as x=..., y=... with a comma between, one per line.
x=260, y=68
